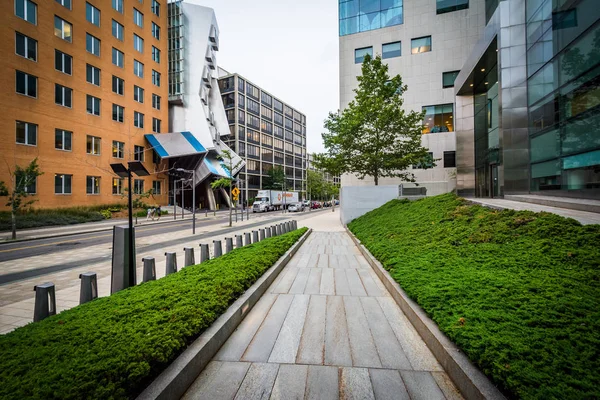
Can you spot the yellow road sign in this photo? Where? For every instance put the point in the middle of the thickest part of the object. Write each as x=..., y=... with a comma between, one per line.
x=235, y=192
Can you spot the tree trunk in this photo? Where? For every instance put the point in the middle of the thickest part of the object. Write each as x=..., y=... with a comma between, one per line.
x=13, y=218
x=376, y=179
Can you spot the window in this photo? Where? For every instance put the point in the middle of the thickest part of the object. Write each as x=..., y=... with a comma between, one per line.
x=138, y=18
x=449, y=159
x=92, y=14
x=92, y=75
x=118, y=113
x=448, y=78
x=138, y=68
x=138, y=153
x=277, y=105
x=155, y=125
x=226, y=84
x=279, y=119
x=155, y=54
x=92, y=185
x=65, y=3
x=117, y=30
x=62, y=184
x=266, y=112
x=155, y=31
x=92, y=44
x=117, y=57
x=63, y=139
x=138, y=119
x=63, y=62
x=266, y=99
x=27, y=133
x=359, y=54
x=117, y=5
x=26, y=84
x=156, y=78
x=156, y=187
x=438, y=118
x=251, y=90
x=26, y=46
x=63, y=96
x=118, y=149
x=155, y=8
x=138, y=94
x=391, y=50
x=445, y=6
x=138, y=43
x=253, y=107
x=421, y=45
x=252, y=151
x=155, y=101
x=93, y=105
x=93, y=145
x=27, y=10
x=118, y=85
x=365, y=15
x=63, y=29
x=117, y=186
x=138, y=186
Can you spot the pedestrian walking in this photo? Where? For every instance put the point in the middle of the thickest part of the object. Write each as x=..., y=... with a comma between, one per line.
x=150, y=214
x=158, y=213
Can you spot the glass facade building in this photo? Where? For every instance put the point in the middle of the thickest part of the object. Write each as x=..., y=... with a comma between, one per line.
x=366, y=15
x=265, y=132
x=563, y=85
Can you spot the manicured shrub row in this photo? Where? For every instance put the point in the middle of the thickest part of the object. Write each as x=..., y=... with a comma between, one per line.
x=114, y=346
x=519, y=292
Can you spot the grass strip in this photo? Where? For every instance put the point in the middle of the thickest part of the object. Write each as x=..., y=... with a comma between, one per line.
x=517, y=291
x=113, y=347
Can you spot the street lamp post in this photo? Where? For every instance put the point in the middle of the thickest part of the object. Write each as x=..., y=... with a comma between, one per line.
x=193, y=196
x=133, y=167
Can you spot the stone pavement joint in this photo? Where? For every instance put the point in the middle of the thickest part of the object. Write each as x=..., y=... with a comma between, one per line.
x=325, y=329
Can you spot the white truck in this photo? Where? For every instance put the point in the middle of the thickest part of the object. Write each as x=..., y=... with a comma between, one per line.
x=269, y=200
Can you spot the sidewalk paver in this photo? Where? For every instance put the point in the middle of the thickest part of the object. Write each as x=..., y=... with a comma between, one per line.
x=326, y=329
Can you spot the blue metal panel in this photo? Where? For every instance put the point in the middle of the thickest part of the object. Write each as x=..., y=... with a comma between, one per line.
x=156, y=146
x=194, y=142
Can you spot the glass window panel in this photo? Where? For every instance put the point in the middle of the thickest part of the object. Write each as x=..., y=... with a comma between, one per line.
x=359, y=54
x=369, y=6
x=369, y=22
x=391, y=17
x=448, y=78
x=544, y=146
x=390, y=50
x=421, y=45
x=444, y=6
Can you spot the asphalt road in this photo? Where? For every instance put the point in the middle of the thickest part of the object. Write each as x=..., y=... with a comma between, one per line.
x=19, y=250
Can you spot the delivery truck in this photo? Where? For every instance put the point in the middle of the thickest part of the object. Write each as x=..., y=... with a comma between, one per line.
x=269, y=200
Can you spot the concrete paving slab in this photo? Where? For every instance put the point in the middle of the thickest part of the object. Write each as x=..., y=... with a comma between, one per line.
x=290, y=383
x=362, y=346
x=312, y=342
x=421, y=385
x=258, y=383
x=355, y=384
x=388, y=385
x=322, y=383
x=288, y=340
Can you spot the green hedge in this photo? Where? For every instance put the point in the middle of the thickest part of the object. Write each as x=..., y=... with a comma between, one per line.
x=114, y=346
x=519, y=292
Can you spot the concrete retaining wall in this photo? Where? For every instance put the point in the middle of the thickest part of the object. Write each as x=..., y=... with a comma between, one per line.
x=359, y=200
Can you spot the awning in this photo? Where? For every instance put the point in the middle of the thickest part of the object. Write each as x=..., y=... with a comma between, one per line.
x=213, y=166
x=176, y=144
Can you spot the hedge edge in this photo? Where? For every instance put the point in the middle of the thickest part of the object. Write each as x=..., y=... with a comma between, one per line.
x=471, y=382
x=173, y=382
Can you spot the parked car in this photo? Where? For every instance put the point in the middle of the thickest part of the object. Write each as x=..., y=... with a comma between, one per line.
x=315, y=205
x=295, y=207
x=306, y=203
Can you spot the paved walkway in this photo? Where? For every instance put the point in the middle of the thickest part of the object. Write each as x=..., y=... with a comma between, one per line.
x=326, y=329
x=584, y=217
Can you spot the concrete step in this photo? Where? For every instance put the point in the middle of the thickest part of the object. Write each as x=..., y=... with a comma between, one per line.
x=589, y=205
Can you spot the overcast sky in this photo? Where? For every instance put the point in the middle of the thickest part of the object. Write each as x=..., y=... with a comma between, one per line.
x=287, y=47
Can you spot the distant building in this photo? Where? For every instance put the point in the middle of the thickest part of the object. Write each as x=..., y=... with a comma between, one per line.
x=197, y=120
x=335, y=179
x=265, y=132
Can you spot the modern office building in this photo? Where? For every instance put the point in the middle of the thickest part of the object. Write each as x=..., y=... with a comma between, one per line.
x=265, y=132
x=527, y=102
x=194, y=147
x=82, y=83
x=426, y=42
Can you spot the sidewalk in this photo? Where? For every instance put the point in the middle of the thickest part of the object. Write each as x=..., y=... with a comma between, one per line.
x=88, y=227
x=584, y=217
x=326, y=329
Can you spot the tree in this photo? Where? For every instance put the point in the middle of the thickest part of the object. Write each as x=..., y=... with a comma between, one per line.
x=227, y=158
x=374, y=136
x=315, y=184
x=22, y=179
x=275, y=179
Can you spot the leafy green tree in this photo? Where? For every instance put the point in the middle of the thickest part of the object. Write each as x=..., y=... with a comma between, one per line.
x=315, y=184
x=22, y=179
x=275, y=179
x=227, y=161
x=374, y=136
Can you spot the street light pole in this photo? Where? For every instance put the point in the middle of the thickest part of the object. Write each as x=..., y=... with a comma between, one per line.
x=174, y=198
x=130, y=246
x=193, y=196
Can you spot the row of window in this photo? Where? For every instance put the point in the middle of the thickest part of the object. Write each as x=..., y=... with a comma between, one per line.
x=27, y=47
x=394, y=49
x=63, y=184
x=27, y=10
x=449, y=161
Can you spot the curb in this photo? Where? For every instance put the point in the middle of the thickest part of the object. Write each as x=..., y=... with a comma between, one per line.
x=173, y=382
x=469, y=380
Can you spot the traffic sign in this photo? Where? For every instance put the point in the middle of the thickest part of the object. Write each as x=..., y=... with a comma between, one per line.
x=235, y=192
